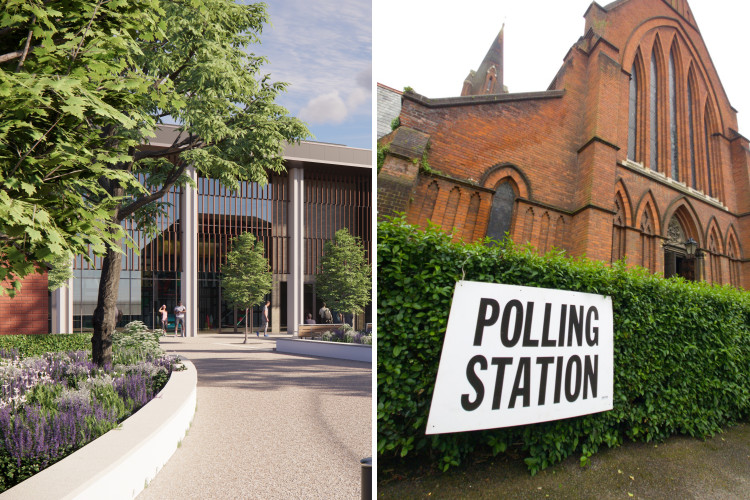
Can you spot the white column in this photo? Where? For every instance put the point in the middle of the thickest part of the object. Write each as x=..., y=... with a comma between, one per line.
x=189, y=254
x=295, y=284
x=62, y=308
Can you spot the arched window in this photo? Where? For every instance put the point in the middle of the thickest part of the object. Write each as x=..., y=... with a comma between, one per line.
x=673, y=119
x=691, y=132
x=501, y=213
x=654, y=122
x=633, y=111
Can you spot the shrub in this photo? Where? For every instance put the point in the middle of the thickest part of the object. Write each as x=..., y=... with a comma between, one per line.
x=136, y=342
x=681, y=349
x=53, y=403
x=36, y=345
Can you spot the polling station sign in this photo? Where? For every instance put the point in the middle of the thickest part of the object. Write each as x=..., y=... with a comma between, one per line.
x=517, y=355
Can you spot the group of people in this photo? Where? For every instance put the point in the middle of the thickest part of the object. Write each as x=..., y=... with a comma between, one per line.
x=179, y=319
x=326, y=317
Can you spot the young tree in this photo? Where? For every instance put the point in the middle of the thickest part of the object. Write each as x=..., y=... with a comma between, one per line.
x=344, y=282
x=187, y=59
x=246, y=277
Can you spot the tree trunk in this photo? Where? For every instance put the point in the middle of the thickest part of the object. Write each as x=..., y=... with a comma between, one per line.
x=245, y=326
x=105, y=314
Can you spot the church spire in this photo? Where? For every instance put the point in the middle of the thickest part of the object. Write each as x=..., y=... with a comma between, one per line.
x=488, y=79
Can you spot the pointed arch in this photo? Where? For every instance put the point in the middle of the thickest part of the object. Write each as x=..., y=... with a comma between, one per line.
x=636, y=117
x=618, y=228
x=544, y=230
x=648, y=203
x=449, y=218
x=673, y=77
x=656, y=76
x=528, y=229
x=683, y=210
x=471, y=218
x=713, y=152
x=712, y=230
x=734, y=255
x=731, y=234
x=501, y=212
x=560, y=233
x=692, y=117
x=510, y=173
x=647, y=223
x=627, y=207
x=714, y=251
x=674, y=34
x=428, y=202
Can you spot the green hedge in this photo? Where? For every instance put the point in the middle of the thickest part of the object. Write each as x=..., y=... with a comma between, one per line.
x=681, y=349
x=35, y=345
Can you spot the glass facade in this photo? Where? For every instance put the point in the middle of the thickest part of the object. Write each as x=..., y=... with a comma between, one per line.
x=334, y=197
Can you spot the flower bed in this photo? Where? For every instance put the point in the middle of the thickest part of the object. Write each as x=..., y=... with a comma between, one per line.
x=55, y=403
x=348, y=335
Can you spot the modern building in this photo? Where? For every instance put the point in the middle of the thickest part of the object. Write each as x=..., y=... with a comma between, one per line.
x=632, y=152
x=326, y=187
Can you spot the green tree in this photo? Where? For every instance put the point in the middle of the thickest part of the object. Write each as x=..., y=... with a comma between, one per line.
x=64, y=71
x=344, y=281
x=246, y=277
x=186, y=59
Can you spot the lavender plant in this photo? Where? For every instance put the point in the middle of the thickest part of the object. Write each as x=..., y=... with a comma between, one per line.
x=53, y=404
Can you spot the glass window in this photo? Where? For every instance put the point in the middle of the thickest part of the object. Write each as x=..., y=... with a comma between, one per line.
x=673, y=119
x=501, y=213
x=632, y=111
x=654, y=129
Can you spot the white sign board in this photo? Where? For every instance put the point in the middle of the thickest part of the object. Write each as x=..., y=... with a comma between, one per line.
x=517, y=355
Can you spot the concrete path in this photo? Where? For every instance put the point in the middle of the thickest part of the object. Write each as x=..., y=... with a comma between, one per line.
x=269, y=425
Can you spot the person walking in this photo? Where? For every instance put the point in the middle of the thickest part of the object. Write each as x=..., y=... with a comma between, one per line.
x=164, y=318
x=264, y=319
x=179, y=318
x=325, y=314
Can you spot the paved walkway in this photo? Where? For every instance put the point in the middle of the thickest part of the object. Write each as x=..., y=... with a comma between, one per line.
x=269, y=425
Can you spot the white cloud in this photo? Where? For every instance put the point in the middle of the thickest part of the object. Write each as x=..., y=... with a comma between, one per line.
x=325, y=108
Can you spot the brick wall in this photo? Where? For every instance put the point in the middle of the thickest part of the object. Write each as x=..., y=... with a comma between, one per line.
x=565, y=150
x=27, y=312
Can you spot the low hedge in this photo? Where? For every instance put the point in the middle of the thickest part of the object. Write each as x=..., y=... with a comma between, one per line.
x=36, y=345
x=681, y=349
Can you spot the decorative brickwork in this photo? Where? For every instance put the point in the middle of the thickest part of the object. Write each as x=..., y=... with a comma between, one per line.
x=635, y=130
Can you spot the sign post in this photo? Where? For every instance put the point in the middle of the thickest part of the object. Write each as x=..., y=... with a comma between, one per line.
x=517, y=355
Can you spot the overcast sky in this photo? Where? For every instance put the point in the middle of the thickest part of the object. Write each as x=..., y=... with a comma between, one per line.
x=323, y=49
x=430, y=45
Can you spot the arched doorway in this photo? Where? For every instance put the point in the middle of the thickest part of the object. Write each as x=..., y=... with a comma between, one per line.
x=677, y=262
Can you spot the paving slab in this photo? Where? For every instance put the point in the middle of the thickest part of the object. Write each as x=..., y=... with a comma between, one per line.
x=269, y=425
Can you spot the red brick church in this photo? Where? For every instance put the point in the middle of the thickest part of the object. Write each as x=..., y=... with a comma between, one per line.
x=632, y=151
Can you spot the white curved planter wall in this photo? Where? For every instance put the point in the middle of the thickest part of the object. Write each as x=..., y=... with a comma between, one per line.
x=339, y=350
x=119, y=464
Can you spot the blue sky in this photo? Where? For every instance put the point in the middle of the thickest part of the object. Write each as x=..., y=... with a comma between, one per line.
x=322, y=48
x=541, y=31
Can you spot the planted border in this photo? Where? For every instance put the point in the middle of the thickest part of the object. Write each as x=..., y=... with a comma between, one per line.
x=681, y=349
